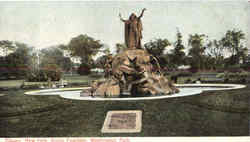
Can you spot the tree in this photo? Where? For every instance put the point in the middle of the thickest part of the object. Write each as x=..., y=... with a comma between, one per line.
x=215, y=50
x=7, y=45
x=101, y=61
x=54, y=55
x=196, y=51
x=63, y=47
x=232, y=41
x=243, y=52
x=247, y=63
x=178, y=54
x=84, y=69
x=18, y=62
x=84, y=47
x=157, y=48
x=24, y=51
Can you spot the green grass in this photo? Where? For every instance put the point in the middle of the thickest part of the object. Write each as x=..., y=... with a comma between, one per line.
x=11, y=83
x=75, y=79
x=79, y=79
x=218, y=113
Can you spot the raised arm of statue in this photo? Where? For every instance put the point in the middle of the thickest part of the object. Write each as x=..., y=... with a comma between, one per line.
x=142, y=12
x=121, y=18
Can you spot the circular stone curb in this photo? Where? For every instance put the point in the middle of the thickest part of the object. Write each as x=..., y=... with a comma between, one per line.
x=185, y=90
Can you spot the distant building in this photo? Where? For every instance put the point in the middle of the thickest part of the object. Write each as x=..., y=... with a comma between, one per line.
x=76, y=60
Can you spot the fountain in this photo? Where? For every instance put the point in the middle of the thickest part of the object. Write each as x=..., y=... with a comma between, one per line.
x=184, y=90
x=132, y=71
x=131, y=75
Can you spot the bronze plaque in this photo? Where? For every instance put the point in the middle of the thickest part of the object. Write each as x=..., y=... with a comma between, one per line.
x=128, y=121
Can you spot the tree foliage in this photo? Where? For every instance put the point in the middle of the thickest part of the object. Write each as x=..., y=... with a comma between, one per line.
x=196, y=51
x=215, y=52
x=7, y=45
x=157, y=48
x=84, y=69
x=48, y=72
x=232, y=41
x=84, y=47
x=178, y=55
x=18, y=62
x=54, y=55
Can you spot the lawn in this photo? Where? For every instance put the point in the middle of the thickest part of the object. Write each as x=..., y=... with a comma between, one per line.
x=220, y=113
x=72, y=80
x=79, y=79
x=10, y=83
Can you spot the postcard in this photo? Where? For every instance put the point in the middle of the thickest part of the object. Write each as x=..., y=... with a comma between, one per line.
x=122, y=71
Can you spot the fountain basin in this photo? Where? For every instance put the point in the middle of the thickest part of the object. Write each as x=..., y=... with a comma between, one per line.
x=185, y=90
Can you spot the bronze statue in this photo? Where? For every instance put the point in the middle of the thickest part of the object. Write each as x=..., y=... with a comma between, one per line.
x=133, y=30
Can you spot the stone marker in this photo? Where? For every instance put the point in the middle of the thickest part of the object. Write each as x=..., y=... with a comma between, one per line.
x=128, y=121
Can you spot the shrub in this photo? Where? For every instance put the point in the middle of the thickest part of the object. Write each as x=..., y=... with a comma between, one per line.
x=193, y=70
x=51, y=71
x=185, y=74
x=84, y=69
x=181, y=73
x=246, y=67
x=234, y=69
x=10, y=70
x=234, y=77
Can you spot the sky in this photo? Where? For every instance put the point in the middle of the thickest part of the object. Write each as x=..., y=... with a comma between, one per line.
x=44, y=24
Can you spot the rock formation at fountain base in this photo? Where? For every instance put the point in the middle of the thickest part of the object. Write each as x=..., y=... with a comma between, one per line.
x=133, y=71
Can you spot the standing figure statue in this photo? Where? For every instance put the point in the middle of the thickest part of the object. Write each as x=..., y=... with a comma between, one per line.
x=133, y=30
